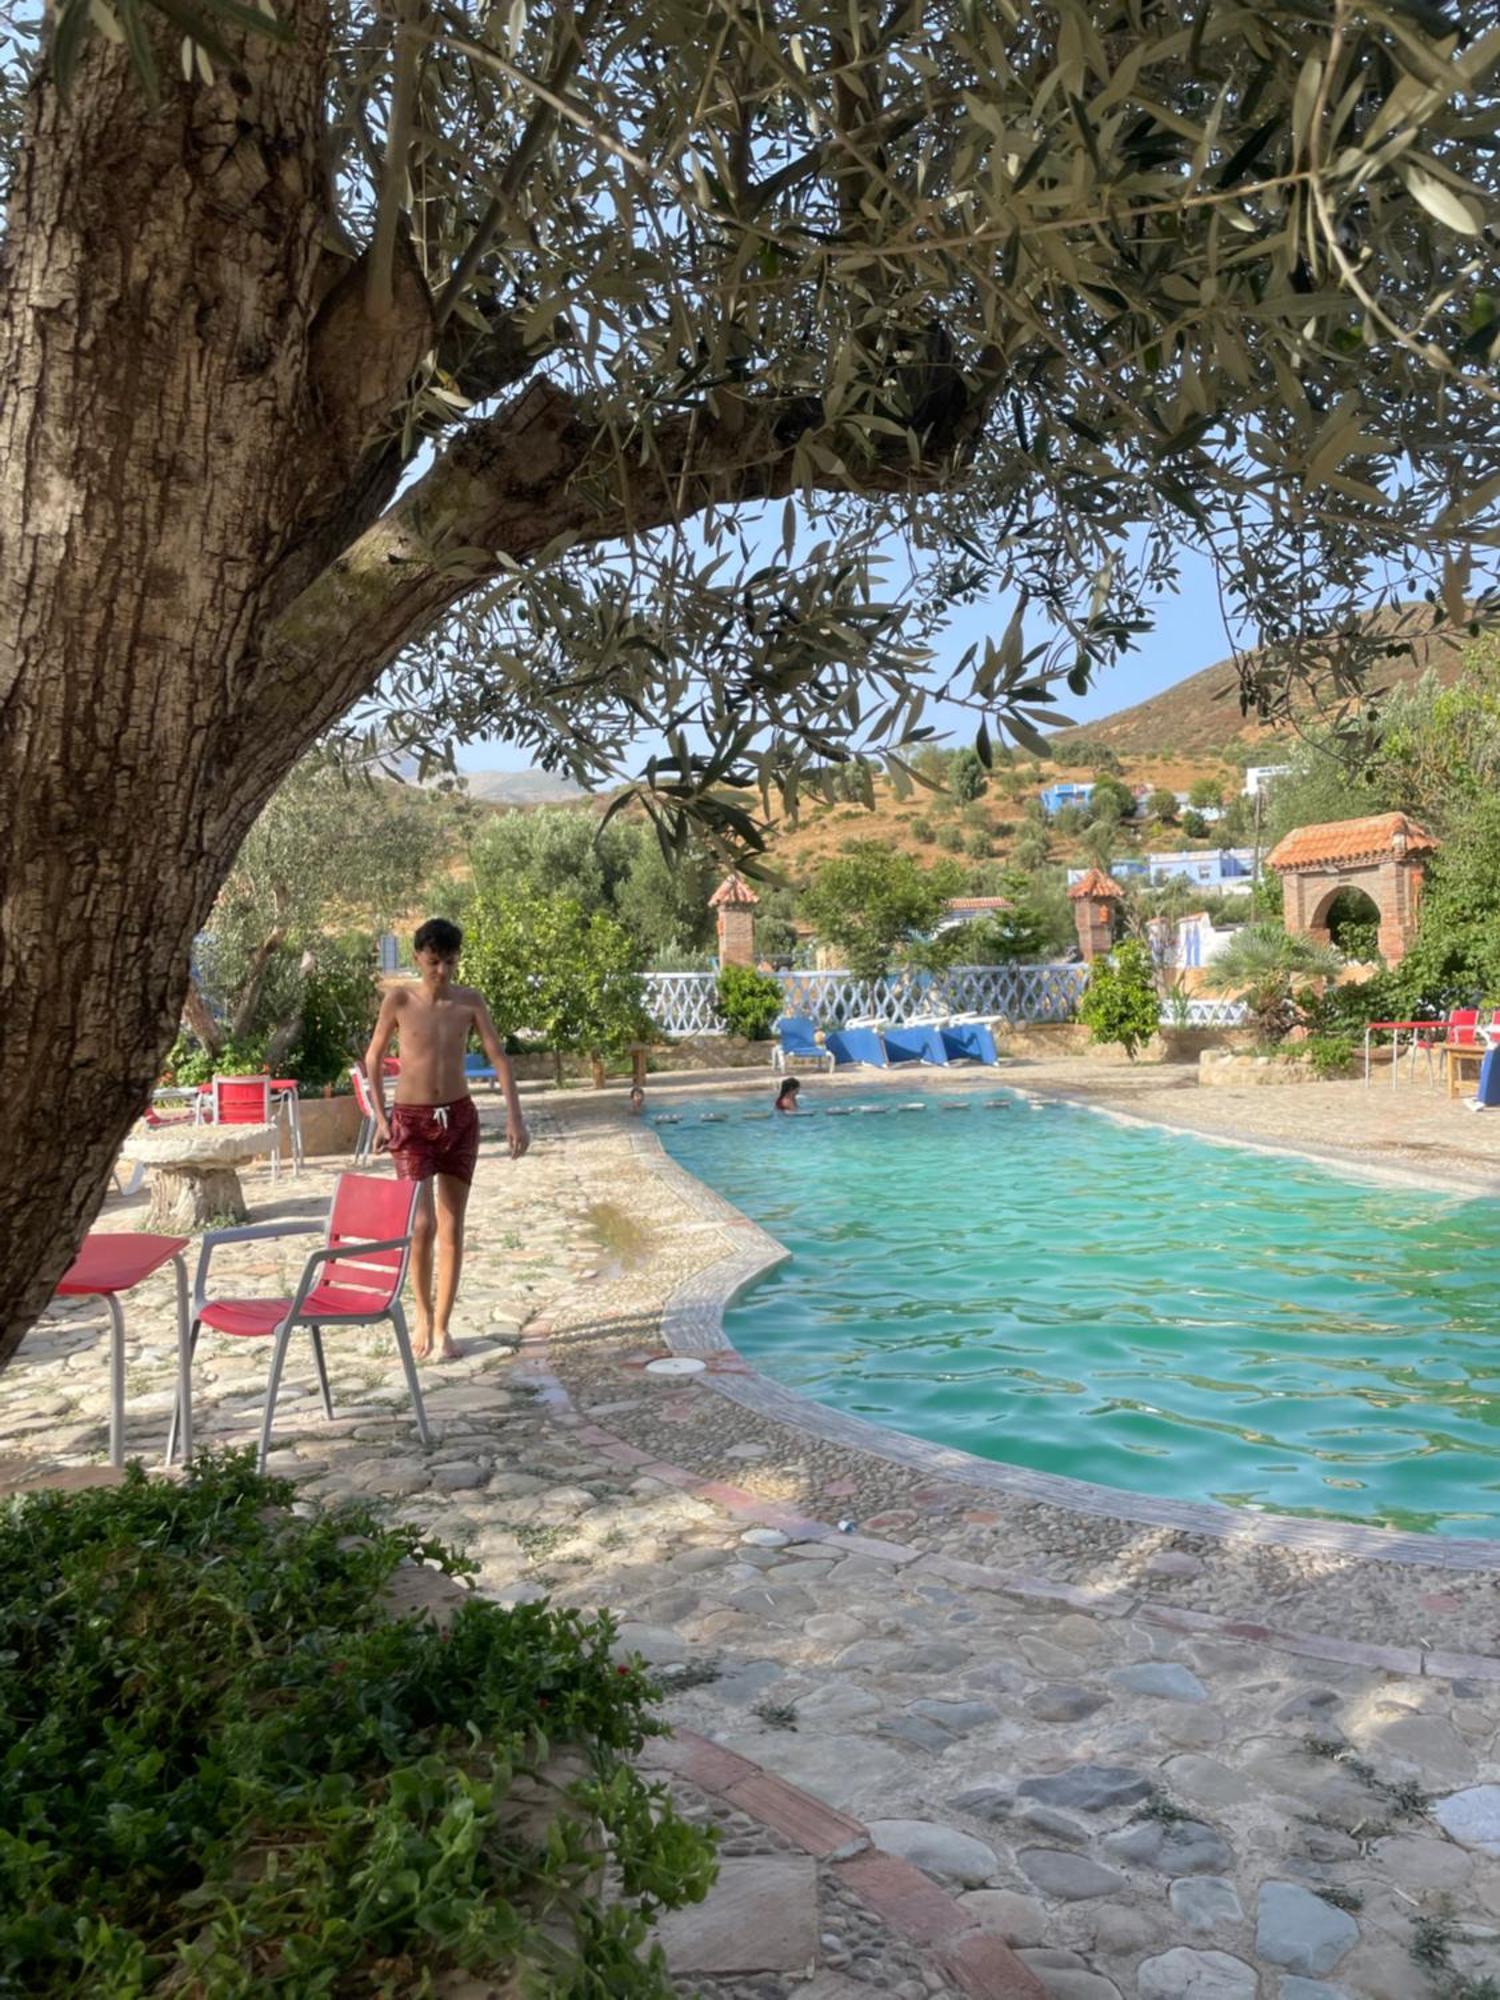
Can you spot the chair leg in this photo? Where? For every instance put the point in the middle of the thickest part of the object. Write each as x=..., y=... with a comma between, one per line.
x=322, y=1368
x=193, y=1331
x=273, y=1383
x=116, y=1380
x=403, y=1343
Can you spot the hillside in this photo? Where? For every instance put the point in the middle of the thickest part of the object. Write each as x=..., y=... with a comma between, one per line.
x=1200, y=717
x=521, y=788
x=932, y=826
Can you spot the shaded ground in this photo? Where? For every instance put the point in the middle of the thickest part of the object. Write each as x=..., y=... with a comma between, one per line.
x=1144, y=1805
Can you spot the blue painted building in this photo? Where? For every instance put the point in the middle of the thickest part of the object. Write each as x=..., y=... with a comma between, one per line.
x=1229, y=868
x=1065, y=792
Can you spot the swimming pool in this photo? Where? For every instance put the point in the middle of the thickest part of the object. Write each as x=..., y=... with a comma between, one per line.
x=1045, y=1286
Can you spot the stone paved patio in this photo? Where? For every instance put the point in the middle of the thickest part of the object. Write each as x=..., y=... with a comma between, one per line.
x=976, y=1746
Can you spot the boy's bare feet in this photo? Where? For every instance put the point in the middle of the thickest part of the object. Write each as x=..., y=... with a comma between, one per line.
x=421, y=1346
x=450, y=1349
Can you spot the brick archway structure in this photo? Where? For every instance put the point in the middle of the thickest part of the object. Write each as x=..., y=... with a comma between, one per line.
x=1384, y=855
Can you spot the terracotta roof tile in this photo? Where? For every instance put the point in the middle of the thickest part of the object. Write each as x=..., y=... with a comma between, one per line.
x=1096, y=883
x=1345, y=840
x=733, y=889
x=979, y=903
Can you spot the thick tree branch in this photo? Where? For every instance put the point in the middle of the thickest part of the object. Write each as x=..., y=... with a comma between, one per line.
x=536, y=474
x=199, y=1017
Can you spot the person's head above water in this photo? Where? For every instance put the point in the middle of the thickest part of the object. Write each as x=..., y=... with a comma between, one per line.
x=786, y=1097
x=637, y=1099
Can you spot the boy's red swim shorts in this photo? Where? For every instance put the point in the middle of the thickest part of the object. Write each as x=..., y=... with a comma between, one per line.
x=428, y=1139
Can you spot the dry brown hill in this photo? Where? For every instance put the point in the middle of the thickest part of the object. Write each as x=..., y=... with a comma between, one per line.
x=1200, y=717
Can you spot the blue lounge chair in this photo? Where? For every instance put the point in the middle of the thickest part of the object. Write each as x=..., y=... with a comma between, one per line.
x=479, y=1069
x=796, y=1043
x=857, y=1045
x=970, y=1041
x=915, y=1041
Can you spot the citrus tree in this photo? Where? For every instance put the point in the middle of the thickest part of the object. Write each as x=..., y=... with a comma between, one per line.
x=548, y=371
x=1121, y=1003
x=552, y=971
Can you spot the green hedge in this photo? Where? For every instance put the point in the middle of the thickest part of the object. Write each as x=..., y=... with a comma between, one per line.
x=226, y=1772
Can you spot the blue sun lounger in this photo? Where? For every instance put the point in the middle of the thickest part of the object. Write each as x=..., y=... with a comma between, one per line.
x=796, y=1043
x=970, y=1041
x=915, y=1041
x=856, y=1045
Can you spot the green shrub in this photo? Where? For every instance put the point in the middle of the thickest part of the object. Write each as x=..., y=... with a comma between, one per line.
x=190, y=1063
x=749, y=1001
x=922, y=829
x=339, y=1006
x=1329, y=1055
x=226, y=1772
x=979, y=844
x=1120, y=1002
x=951, y=839
x=967, y=776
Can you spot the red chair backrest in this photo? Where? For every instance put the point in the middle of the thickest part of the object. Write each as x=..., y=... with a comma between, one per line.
x=369, y=1208
x=1462, y=1022
x=242, y=1100
x=361, y=1090
x=390, y=1066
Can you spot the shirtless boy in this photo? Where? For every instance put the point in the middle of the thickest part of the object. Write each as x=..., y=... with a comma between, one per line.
x=433, y=1129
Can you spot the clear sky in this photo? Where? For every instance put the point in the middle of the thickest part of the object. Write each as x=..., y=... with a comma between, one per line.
x=1189, y=636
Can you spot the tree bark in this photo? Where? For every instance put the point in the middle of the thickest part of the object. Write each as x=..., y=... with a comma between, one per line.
x=171, y=471
x=196, y=574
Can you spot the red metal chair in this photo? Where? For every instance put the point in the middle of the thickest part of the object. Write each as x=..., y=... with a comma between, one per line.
x=1463, y=1027
x=248, y=1100
x=106, y=1265
x=366, y=1103
x=354, y=1280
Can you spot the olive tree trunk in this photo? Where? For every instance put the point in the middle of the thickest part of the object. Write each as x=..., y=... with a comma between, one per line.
x=203, y=562
x=171, y=471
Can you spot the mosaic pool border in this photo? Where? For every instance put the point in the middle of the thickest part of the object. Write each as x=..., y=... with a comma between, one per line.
x=692, y=1324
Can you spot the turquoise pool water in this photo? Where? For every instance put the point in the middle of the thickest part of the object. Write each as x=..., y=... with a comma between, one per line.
x=1044, y=1286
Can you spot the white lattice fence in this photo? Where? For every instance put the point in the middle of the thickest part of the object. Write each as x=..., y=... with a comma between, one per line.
x=683, y=1003
x=1207, y=1013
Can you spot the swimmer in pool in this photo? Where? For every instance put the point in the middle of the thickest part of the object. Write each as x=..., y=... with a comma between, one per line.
x=786, y=1097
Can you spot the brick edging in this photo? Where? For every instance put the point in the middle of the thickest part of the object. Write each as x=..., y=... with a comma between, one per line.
x=533, y=1366
x=981, y=1965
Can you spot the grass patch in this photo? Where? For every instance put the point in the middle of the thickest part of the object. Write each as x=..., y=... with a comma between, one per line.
x=226, y=1772
x=618, y=1232
x=1405, y=1799
x=776, y=1714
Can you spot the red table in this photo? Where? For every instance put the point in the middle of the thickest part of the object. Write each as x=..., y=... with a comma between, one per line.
x=110, y=1263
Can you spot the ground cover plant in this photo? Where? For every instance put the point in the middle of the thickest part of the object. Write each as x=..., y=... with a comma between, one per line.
x=225, y=1770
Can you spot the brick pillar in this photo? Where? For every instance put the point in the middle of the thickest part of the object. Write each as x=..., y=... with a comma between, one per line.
x=1094, y=917
x=736, y=934
x=1398, y=895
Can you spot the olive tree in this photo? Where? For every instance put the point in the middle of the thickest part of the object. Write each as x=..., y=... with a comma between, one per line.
x=553, y=370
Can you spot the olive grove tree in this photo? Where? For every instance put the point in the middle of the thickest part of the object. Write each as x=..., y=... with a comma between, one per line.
x=560, y=369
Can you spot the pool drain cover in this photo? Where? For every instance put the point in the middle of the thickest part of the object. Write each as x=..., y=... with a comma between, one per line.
x=675, y=1364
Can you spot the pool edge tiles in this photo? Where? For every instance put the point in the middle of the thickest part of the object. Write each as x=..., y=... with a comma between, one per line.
x=692, y=1322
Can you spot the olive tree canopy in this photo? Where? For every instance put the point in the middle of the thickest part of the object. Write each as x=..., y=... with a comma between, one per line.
x=559, y=371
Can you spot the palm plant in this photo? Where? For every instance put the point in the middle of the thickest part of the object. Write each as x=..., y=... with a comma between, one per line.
x=1264, y=966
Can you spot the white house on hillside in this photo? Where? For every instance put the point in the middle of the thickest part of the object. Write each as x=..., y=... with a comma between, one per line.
x=1258, y=777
